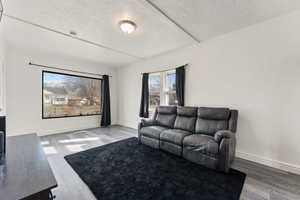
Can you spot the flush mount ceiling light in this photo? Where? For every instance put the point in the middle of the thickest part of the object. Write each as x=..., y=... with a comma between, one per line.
x=127, y=26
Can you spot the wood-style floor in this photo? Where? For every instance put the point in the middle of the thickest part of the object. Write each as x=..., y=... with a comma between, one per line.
x=262, y=183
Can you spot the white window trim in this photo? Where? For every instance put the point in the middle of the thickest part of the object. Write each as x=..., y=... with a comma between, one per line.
x=151, y=111
x=163, y=87
x=165, y=90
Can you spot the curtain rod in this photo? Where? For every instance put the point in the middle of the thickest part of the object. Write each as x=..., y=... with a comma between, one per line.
x=69, y=70
x=163, y=70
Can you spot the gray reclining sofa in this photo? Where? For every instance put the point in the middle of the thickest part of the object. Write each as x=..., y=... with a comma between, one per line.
x=202, y=135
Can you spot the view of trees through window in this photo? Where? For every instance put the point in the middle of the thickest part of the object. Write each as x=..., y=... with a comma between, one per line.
x=68, y=95
x=170, y=92
x=162, y=89
x=154, y=91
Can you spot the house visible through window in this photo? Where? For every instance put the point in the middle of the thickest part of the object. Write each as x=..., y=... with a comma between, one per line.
x=66, y=95
x=162, y=89
x=170, y=88
x=154, y=91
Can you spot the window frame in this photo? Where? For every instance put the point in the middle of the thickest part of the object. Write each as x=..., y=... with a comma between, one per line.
x=78, y=76
x=163, y=87
x=151, y=111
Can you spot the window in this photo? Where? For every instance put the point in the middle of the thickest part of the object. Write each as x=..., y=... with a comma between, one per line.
x=154, y=91
x=170, y=89
x=66, y=95
x=162, y=89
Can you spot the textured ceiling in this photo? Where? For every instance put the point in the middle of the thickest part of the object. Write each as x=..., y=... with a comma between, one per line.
x=97, y=21
x=32, y=38
x=209, y=18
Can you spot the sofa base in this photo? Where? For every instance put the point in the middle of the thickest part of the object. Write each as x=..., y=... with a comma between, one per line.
x=200, y=158
x=171, y=148
x=154, y=143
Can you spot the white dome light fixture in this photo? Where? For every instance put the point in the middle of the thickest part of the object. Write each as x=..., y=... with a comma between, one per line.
x=127, y=26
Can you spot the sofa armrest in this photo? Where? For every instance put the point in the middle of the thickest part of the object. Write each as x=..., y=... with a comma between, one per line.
x=147, y=122
x=223, y=134
x=227, y=144
x=144, y=123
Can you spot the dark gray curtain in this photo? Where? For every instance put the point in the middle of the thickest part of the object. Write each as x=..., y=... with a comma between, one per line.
x=144, y=107
x=105, y=119
x=180, y=82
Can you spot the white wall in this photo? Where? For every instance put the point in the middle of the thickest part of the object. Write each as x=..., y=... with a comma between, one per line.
x=24, y=93
x=2, y=84
x=255, y=70
x=2, y=72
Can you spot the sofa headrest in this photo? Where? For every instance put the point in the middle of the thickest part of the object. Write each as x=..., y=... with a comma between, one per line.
x=214, y=113
x=187, y=111
x=166, y=109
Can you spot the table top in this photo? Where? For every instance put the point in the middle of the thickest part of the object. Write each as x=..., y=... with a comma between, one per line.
x=26, y=170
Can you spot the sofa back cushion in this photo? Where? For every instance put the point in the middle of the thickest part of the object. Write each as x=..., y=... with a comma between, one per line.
x=211, y=120
x=186, y=118
x=165, y=116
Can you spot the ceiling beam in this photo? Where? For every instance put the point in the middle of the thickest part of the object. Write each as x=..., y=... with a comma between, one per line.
x=156, y=7
x=1, y=10
x=71, y=36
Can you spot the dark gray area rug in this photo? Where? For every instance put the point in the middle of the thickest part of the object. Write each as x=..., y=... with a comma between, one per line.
x=128, y=170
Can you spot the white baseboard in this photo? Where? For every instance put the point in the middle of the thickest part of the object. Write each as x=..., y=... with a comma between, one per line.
x=52, y=132
x=128, y=124
x=269, y=162
x=58, y=131
x=49, y=132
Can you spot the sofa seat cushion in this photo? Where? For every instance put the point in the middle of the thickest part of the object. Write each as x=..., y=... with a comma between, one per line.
x=201, y=143
x=152, y=131
x=174, y=136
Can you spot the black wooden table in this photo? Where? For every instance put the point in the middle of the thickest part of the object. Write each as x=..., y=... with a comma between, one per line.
x=26, y=173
